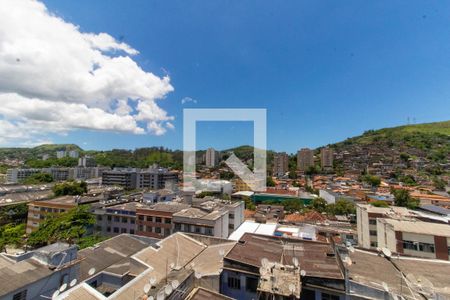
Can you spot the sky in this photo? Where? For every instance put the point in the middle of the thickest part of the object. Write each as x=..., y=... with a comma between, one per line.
x=115, y=74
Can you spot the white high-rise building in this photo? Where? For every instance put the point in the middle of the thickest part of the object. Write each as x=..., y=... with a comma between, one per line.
x=212, y=157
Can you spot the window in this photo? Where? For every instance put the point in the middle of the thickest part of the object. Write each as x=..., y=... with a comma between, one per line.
x=116, y=229
x=373, y=221
x=209, y=231
x=158, y=229
x=108, y=218
x=131, y=231
x=234, y=283
x=158, y=220
x=167, y=232
x=448, y=251
x=124, y=220
x=425, y=247
x=141, y=218
x=167, y=221
x=149, y=218
x=116, y=219
x=231, y=226
x=108, y=229
x=373, y=232
x=197, y=229
x=123, y=230
x=373, y=244
x=251, y=284
x=132, y=221
x=22, y=295
x=231, y=216
x=99, y=218
x=410, y=245
x=141, y=228
x=149, y=228
x=177, y=227
x=326, y=296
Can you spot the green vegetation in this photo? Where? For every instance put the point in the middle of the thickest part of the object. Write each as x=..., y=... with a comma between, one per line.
x=290, y=205
x=70, y=188
x=439, y=183
x=403, y=198
x=52, y=162
x=70, y=226
x=319, y=204
x=270, y=182
x=12, y=235
x=249, y=203
x=379, y=203
x=372, y=180
x=341, y=207
x=16, y=214
x=89, y=241
x=38, y=178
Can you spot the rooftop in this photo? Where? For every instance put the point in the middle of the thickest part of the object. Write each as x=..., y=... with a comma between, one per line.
x=419, y=227
x=204, y=294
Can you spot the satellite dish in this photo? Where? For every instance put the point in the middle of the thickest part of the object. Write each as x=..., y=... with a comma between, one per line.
x=160, y=296
x=264, y=262
x=63, y=287
x=91, y=271
x=55, y=294
x=292, y=288
x=168, y=289
x=385, y=286
x=147, y=288
x=151, y=298
x=175, y=284
x=152, y=280
x=295, y=261
x=73, y=282
x=221, y=252
x=386, y=252
x=198, y=275
x=303, y=273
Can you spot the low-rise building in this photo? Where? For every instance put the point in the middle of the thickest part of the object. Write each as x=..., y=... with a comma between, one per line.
x=38, y=274
x=415, y=238
x=117, y=219
x=156, y=220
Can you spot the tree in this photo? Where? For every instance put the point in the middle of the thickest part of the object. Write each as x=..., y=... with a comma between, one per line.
x=372, y=180
x=11, y=234
x=70, y=188
x=404, y=199
x=249, y=203
x=319, y=204
x=69, y=226
x=379, y=203
x=341, y=207
x=38, y=178
x=439, y=183
x=269, y=181
x=292, y=174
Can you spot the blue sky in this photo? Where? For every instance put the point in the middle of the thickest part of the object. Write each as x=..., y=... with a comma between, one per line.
x=324, y=70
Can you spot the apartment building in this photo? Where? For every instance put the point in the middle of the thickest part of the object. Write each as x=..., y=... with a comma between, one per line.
x=326, y=158
x=134, y=178
x=17, y=175
x=39, y=210
x=212, y=158
x=156, y=220
x=86, y=161
x=117, y=219
x=366, y=219
x=280, y=164
x=415, y=238
x=305, y=159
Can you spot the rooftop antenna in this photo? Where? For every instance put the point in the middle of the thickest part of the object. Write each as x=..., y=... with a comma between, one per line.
x=385, y=286
x=152, y=281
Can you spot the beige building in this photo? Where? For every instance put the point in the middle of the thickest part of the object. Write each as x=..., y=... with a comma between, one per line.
x=305, y=159
x=211, y=158
x=366, y=219
x=415, y=238
x=280, y=164
x=326, y=158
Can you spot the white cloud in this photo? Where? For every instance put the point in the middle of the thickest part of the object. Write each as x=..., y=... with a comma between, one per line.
x=58, y=78
x=187, y=100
